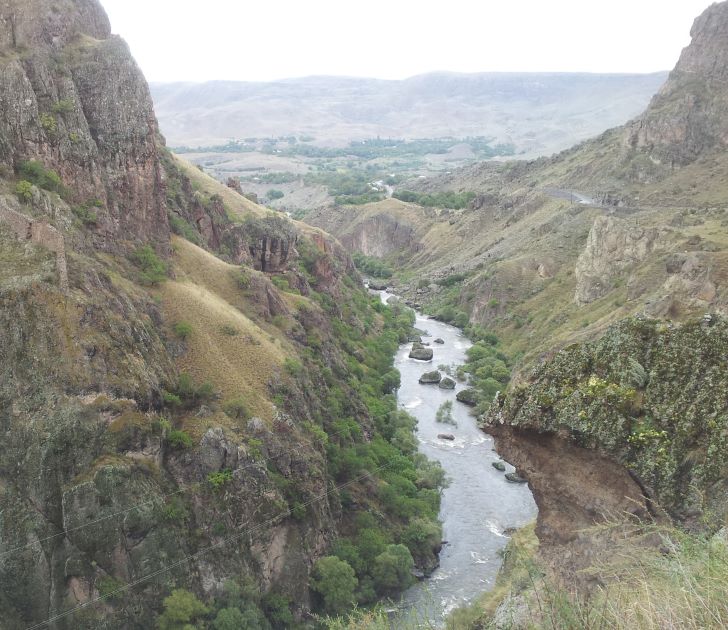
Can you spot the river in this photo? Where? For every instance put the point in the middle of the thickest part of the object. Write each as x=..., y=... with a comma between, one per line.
x=478, y=505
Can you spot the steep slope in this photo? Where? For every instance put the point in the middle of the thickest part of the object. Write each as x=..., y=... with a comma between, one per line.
x=631, y=221
x=74, y=99
x=207, y=411
x=602, y=273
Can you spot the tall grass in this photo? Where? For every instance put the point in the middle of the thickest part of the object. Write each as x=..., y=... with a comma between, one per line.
x=679, y=583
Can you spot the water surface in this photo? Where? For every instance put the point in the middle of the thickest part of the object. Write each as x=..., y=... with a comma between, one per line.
x=478, y=505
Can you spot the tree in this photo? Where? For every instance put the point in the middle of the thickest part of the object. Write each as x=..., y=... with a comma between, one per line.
x=336, y=582
x=392, y=570
x=232, y=619
x=422, y=537
x=181, y=608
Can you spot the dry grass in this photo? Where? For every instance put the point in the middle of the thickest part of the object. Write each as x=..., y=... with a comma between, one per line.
x=683, y=585
x=205, y=296
x=238, y=207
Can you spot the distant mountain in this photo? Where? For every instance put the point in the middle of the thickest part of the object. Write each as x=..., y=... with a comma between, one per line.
x=539, y=113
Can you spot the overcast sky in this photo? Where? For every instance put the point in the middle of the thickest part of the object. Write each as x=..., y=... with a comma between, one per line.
x=254, y=40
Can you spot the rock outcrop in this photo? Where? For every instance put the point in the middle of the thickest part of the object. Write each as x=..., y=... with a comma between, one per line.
x=689, y=116
x=614, y=247
x=41, y=233
x=628, y=426
x=73, y=98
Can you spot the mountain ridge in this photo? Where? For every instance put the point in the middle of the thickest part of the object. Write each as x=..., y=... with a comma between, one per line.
x=424, y=106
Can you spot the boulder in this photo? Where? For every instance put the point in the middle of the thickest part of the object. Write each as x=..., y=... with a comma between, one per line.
x=440, y=341
x=514, y=478
x=468, y=397
x=430, y=378
x=447, y=383
x=421, y=354
x=499, y=466
x=446, y=436
x=378, y=285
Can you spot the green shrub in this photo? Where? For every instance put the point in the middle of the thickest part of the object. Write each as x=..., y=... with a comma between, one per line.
x=171, y=399
x=278, y=610
x=274, y=194
x=49, y=124
x=64, y=106
x=175, y=511
x=179, y=440
x=281, y=283
x=182, y=329
x=444, y=414
x=34, y=172
x=242, y=279
x=24, y=191
x=231, y=619
x=293, y=367
x=372, y=266
x=181, y=609
x=237, y=408
x=447, y=199
x=107, y=585
x=229, y=330
x=86, y=215
x=461, y=320
x=153, y=270
x=392, y=570
x=184, y=229
x=218, y=479
x=334, y=580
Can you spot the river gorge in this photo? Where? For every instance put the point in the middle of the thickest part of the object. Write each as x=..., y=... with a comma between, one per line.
x=479, y=506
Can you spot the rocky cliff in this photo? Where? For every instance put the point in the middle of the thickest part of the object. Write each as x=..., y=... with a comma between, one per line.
x=176, y=410
x=73, y=98
x=688, y=117
x=614, y=246
x=384, y=230
x=631, y=425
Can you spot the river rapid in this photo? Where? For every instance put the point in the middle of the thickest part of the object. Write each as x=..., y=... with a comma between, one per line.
x=478, y=506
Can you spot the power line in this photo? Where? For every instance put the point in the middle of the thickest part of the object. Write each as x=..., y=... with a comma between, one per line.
x=216, y=545
x=162, y=497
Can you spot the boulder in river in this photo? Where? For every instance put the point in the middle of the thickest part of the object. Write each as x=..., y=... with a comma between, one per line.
x=447, y=383
x=514, y=478
x=468, y=397
x=430, y=378
x=499, y=466
x=446, y=436
x=378, y=285
x=440, y=341
x=414, y=339
x=421, y=354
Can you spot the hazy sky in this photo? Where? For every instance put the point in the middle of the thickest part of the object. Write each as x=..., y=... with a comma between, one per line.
x=256, y=40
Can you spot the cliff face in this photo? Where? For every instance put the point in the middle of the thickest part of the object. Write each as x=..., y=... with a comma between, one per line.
x=613, y=246
x=73, y=98
x=389, y=229
x=689, y=116
x=632, y=424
